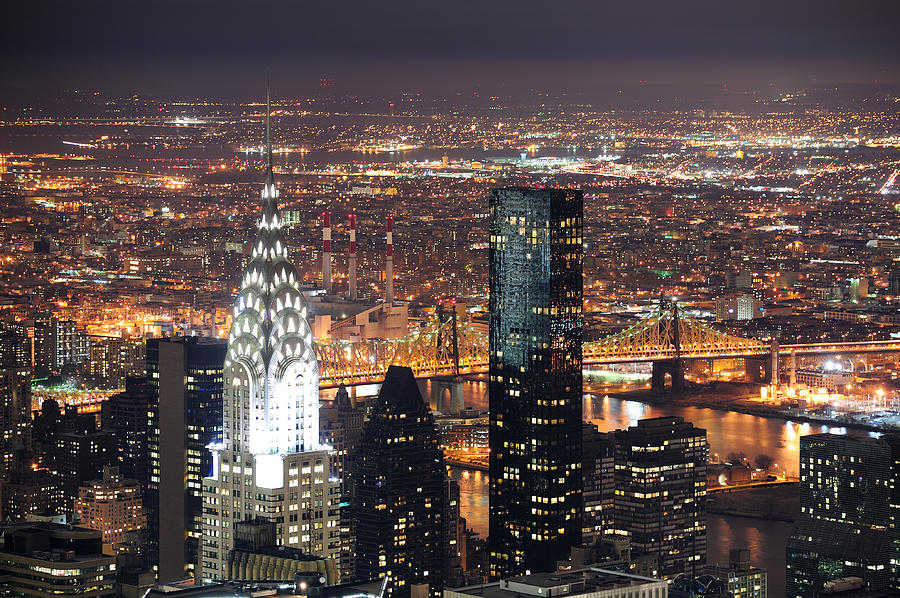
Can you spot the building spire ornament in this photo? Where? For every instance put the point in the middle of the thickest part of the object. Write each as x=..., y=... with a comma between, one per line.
x=272, y=386
x=271, y=411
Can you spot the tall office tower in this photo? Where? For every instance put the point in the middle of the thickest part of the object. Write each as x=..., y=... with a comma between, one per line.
x=341, y=430
x=389, y=263
x=326, y=252
x=535, y=378
x=661, y=493
x=185, y=375
x=454, y=535
x=844, y=527
x=59, y=345
x=270, y=464
x=112, y=506
x=598, y=470
x=16, y=344
x=342, y=426
x=128, y=415
x=893, y=441
x=398, y=494
x=15, y=412
x=46, y=425
x=352, y=260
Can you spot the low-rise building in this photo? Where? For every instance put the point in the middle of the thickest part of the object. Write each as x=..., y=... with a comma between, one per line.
x=742, y=579
x=585, y=583
x=49, y=560
x=112, y=506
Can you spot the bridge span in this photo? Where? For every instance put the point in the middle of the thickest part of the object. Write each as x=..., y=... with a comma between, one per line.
x=450, y=349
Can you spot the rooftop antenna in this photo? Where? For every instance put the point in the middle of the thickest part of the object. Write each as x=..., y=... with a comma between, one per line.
x=268, y=130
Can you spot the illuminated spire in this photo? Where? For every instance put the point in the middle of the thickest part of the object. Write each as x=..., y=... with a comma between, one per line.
x=270, y=195
x=268, y=133
x=272, y=374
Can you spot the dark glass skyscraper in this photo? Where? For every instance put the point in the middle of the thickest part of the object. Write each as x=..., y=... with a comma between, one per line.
x=845, y=527
x=185, y=376
x=598, y=470
x=127, y=416
x=341, y=428
x=398, y=493
x=535, y=378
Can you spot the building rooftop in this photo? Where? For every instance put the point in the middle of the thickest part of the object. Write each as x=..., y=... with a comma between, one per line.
x=51, y=541
x=582, y=582
x=367, y=589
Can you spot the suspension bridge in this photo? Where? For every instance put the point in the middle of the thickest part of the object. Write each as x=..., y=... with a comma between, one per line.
x=444, y=346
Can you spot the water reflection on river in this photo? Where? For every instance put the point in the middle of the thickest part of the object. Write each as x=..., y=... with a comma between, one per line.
x=765, y=539
x=727, y=432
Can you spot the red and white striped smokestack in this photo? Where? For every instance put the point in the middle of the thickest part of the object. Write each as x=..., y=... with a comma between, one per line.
x=352, y=293
x=389, y=263
x=326, y=252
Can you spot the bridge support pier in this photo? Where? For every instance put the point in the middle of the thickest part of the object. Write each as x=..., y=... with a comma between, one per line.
x=673, y=367
x=793, y=375
x=447, y=394
x=776, y=371
x=757, y=369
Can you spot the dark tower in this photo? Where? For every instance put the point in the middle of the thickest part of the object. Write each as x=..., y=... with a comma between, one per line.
x=398, y=495
x=125, y=415
x=846, y=526
x=185, y=375
x=535, y=378
x=341, y=427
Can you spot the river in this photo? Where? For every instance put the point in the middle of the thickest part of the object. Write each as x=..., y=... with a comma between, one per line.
x=727, y=432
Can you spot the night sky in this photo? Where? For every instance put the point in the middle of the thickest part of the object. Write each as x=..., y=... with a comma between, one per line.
x=227, y=46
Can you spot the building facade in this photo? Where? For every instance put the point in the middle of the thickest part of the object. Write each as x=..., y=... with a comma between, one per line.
x=15, y=412
x=847, y=512
x=129, y=415
x=341, y=425
x=660, y=501
x=28, y=489
x=587, y=583
x=535, y=379
x=741, y=578
x=113, y=359
x=398, y=490
x=49, y=559
x=80, y=455
x=598, y=469
x=112, y=505
x=270, y=464
x=186, y=379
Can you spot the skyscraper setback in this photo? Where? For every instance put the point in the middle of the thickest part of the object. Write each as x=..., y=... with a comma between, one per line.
x=535, y=378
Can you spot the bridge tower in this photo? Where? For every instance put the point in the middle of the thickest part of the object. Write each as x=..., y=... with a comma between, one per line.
x=452, y=385
x=674, y=366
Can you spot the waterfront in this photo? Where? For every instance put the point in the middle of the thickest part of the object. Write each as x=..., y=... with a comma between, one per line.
x=727, y=432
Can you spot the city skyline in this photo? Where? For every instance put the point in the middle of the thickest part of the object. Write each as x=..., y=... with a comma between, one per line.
x=499, y=300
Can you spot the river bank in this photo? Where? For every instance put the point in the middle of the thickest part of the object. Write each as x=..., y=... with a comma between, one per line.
x=772, y=503
x=729, y=396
